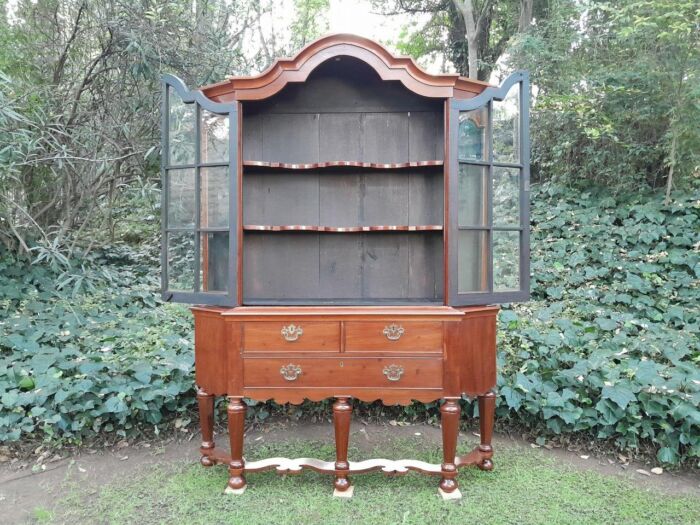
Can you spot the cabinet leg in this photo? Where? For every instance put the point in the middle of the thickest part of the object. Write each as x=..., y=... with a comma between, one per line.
x=236, y=425
x=206, y=423
x=487, y=409
x=342, y=412
x=449, y=412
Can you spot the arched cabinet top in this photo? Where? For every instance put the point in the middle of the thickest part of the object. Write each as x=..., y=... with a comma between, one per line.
x=387, y=66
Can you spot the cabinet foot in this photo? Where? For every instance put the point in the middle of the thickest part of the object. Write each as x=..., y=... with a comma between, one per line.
x=205, y=403
x=487, y=409
x=455, y=494
x=342, y=413
x=236, y=426
x=347, y=493
x=486, y=464
x=449, y=412
x=236, y=492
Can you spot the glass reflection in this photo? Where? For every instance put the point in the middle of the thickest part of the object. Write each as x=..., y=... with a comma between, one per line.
x=181, y=198
x=214, y=263
x=506, y=195
x=472, y=195
x=506, y=127
x=471, y=140
x=215, y=137
x=472, y=261
x=506, y=256
x=181, y=261
x=181, y=139
x=214, y=189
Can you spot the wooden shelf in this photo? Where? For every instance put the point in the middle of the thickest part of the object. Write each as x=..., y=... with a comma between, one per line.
x=342, y=164
x=348, y=229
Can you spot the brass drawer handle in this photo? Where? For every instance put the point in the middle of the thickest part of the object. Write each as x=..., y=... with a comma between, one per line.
x=292, y=332
x=393, y=372
x=393, y=332
x=290, y=372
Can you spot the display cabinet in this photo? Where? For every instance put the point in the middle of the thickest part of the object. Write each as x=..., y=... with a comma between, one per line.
x=346, y=224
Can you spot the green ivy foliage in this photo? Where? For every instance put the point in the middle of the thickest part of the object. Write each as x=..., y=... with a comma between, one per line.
x=90, y=351
x=609, y=345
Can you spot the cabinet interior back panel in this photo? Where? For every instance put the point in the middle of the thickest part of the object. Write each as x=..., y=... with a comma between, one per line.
x=344, y=197
x=342, y=267
x=343, y=112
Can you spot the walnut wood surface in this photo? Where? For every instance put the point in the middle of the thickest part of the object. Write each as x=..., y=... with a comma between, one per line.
x=449, y=412
x=342, y=372
x=341, y=229
x=386, y=65
x=418, y=336
x=342, y=412
x=443, y=352
x=387, y=466
x=343, y=164
x=315, y=336
x=206, y=422
x=236, y=426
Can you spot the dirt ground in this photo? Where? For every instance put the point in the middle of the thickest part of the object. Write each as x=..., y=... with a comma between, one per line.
x=25, y=487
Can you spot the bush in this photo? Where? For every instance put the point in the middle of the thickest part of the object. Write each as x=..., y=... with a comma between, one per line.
x=609, y=345
x=89, y=350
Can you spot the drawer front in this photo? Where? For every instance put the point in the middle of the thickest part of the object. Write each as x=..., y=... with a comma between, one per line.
x=394, y=336
x=367, y=372
x=291, y=336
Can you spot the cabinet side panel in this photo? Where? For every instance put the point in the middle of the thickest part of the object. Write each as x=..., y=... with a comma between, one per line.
x=472, y=350
x=210, y=355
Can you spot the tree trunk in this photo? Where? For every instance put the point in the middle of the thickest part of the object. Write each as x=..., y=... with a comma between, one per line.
x=471, y=30
x=669, y=180
x=525, y=18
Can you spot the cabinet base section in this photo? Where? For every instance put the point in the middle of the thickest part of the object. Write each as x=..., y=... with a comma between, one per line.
x=397, y=396
x=476, y=458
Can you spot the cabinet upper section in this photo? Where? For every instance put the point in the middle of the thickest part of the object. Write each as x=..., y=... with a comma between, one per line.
x=386, y=65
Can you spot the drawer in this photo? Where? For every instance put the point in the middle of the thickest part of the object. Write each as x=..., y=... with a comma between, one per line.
x=291, y=336
x=367, y=372
x=394, y=336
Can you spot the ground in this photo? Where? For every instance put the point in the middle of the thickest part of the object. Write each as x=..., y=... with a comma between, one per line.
x=160, y=482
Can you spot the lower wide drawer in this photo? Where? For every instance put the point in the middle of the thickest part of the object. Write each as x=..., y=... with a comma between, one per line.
x=364, y=372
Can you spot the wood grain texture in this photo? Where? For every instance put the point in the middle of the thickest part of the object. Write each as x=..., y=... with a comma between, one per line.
x=350, y=313
x=211, y=359
x=425, y=336
x=342, y=372
x=449, y=414
x=343, y=164
x=343, y=229
x=342, y=413
x=385, y=64
x=472, y=345
x=314, y=336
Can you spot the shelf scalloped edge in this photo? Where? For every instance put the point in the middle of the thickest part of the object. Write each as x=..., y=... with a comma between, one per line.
x=348, y=229
x=342, y=164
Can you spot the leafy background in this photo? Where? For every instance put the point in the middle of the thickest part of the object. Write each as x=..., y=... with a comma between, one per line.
x=609, y=346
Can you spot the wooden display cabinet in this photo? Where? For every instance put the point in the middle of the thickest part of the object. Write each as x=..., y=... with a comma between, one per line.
x=350, y=223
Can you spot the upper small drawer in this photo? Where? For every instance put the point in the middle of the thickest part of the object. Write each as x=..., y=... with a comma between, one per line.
x=294, y=336
x=394, y=336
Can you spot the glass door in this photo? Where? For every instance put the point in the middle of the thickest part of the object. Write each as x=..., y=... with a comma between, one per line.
x=489, y=185
x=199, y=197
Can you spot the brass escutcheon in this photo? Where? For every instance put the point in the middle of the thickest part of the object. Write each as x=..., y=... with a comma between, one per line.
x=290, y=372
x=393, y=332
x=291, y=332
x=393, y=372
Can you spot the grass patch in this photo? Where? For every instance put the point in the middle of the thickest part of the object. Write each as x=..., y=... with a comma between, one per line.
x=525, y=488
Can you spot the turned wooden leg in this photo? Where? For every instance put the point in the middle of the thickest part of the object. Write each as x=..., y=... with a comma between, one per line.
x=342, y=412
x=487, y=409
x=206, y=423
x=236, y=425
x=449, y=412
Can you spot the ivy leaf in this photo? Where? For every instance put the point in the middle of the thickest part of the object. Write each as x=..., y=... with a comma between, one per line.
x=667, y=455
x=619, y=395
x=606, y=324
